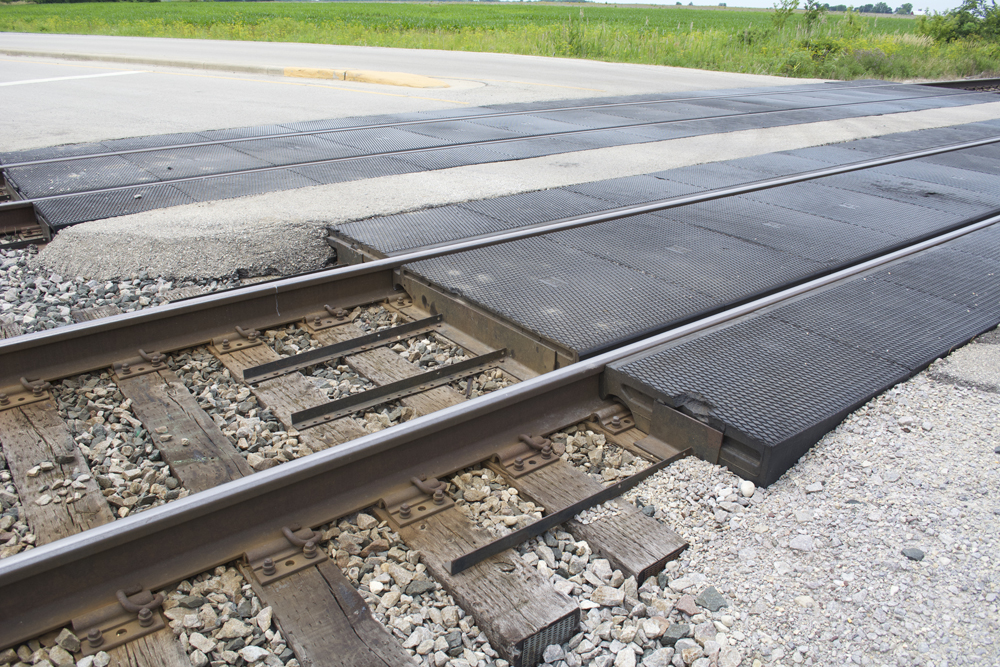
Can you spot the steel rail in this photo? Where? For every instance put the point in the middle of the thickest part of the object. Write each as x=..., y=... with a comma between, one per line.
x=43, y=588
x=446, y=147
x=88, y=346
x=498, y=114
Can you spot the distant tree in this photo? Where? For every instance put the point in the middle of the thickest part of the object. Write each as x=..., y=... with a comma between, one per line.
x=905, y=8
x=722, y=4
x=974, y=19
x=881, y=8
x=783, y=9
x=813, y=12
x=837, y=8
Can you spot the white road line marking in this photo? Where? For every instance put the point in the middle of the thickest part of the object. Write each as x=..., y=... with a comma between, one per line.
x=69, y=78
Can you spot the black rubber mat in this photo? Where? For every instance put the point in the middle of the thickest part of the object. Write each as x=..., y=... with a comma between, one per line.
x=776, y=382
x=731, y=249
x=393, y=234
x=201, y=161
x=254, y=183
x=701, y=260
x=822, y=240
x=708, y=112
x=633, y=190
x=89, y=173
x=532, y=207
x=71, y=210
x=382, y=140
x=340, y=172
x=577, y=300
x=455, y=157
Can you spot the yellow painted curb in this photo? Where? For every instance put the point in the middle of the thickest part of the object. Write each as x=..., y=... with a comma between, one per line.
x=367, y=76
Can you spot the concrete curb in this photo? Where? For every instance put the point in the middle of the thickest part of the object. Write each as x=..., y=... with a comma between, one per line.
x=360, y=76
x=367, y=76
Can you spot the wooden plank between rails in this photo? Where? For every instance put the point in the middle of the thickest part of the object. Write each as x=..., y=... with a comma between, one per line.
x=291, y=393
x=34, y=434
x=634, y=543
x=383, y=366
x=199, y=453
x=520, y=612
x=326, y=621
x=159, y=649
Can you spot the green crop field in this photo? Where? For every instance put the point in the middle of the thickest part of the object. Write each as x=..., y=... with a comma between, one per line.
x=837, y=46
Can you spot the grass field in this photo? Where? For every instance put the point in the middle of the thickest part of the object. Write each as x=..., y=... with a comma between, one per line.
x=732, y=40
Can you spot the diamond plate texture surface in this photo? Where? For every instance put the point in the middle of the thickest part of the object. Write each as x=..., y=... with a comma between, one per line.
x=354, y=170
x=295, y=150
x=461, y=131
x=904, y=326
x=200, y=161
x=383, y=139
x=879, y=214
x=967, y=279
x=726, y=268
x=458, y=156
x=528, y=124
x=633, y=190
x=777, y=381
x=764, y=379
x=80, y=208
x=44, y=180
x=532, y=207
x=548, y=287
x=243, y=185
x=821, y=240
x=395, y=233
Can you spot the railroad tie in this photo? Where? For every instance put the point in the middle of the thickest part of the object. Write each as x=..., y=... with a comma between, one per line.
x=291, y=393
x=198, y=452
x=40, y=453
x=326, y=621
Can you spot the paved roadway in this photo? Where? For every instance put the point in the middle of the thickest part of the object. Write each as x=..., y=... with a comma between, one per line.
x=128, y=99
x=74, y=88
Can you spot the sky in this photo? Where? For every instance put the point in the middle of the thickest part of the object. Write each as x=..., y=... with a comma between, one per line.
x=934, y=5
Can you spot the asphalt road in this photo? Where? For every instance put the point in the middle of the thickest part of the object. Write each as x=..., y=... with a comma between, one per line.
x=52, y=103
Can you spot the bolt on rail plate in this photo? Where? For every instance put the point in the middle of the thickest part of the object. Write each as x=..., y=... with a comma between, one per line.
x=24, y=394
x=146, y=362
x=241, y=340
x=287, y=555
x=528, y=455
x=113, y=625
x=614, y=419
x=414, y=502
x=330, y=317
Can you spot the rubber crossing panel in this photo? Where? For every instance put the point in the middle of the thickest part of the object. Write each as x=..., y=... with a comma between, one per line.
x=648, y=273
x=775, y=383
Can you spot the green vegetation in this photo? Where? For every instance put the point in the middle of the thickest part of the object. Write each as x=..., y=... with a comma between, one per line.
x=974, y=21
x=786, y=42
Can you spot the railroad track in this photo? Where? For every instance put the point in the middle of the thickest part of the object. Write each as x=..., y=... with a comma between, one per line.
x=85, y=182
x=272, y=508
